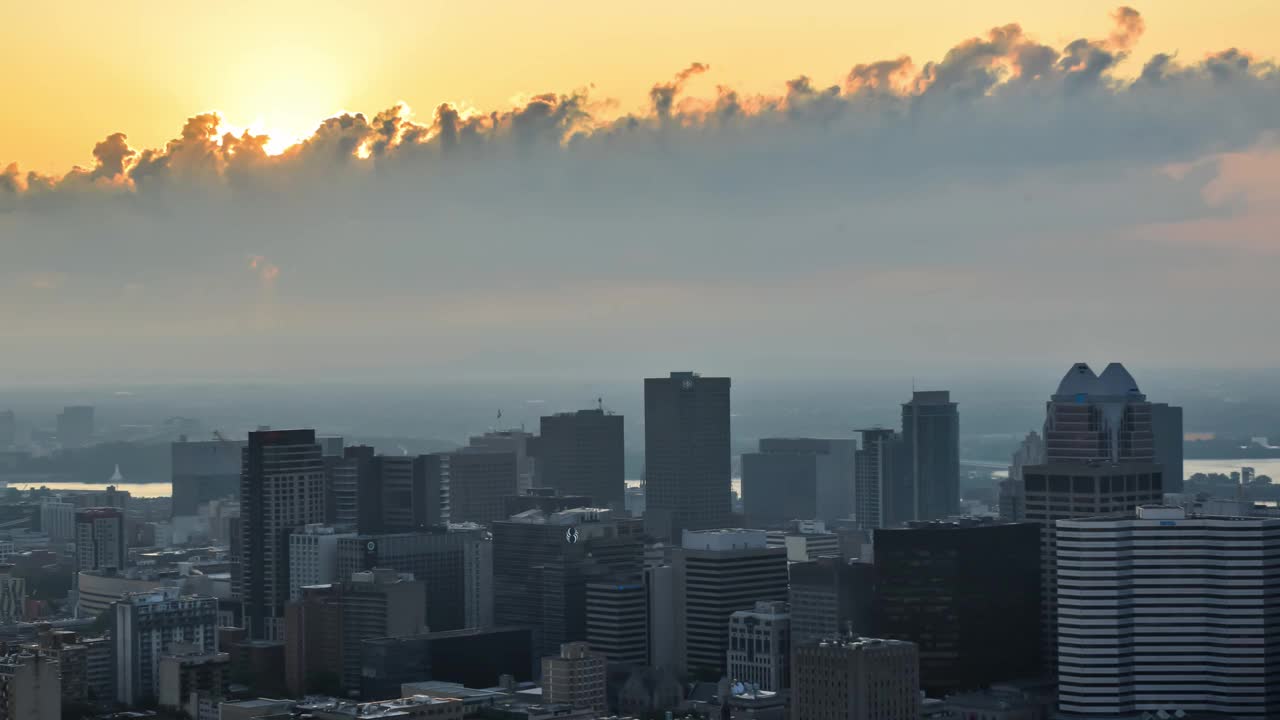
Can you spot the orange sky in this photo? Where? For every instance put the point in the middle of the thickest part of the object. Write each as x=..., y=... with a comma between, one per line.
x=78, y=70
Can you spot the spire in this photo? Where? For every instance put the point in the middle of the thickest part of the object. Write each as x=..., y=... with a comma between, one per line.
x=116, y=476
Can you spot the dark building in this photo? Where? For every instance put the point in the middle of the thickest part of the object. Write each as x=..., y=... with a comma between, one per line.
x=798, y=479
x=1166, y=427
x=204, y=471
x=931, y=442
x=686, y=454
x=543, y=563
x=967, y=593
x=831, y=597
x=882, y=489
x=281, y=489
x=581, y=453
x=475, y=658
x=477, y=481
x=75, y=426
x=314, y=649
x=457, y=566
x=548, y=500
x=384, y=493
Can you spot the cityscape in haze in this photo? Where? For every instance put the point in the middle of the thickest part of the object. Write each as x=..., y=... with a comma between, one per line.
x=581, y=361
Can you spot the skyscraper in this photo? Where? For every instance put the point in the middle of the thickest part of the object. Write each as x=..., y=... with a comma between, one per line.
x=798, y=479
x=882, y=493
x=1099, y=458
x=724, y=571
x=100, y=539
x=931, y=440
x=204, y=471
x=967, y=593
x=516, y=442
x=687, y=453
x=146, y=626
x=1166, y=426
x=1158, y=611
x=476, y=483
x=581, y=453
x=855, y=679
x=281, y=489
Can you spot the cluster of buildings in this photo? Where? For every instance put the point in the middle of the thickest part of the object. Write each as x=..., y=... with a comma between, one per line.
x=508, y=578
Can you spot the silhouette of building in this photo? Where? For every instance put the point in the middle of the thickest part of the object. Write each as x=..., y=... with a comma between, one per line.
x=931, y=441
x=581, y=453
x=687, y=453
x=281, y=488
x=204, y=471
x=1166, y=426
x=798, y=479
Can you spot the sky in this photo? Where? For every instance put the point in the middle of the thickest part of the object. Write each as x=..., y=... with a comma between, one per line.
x=460, y=189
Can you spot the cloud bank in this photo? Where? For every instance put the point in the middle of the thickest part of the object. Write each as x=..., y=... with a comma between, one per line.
x=1011, y=197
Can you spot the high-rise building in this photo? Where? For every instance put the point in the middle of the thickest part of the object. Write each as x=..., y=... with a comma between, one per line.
x=617, y=620
x=13, y=595
x=58, y=520
x=313, y=657
x=204, y=471
x=967, y=593
x=30, y=687
x=376, y=604
x=1160, y=612
x=516, y=442
x=830, y=597
x=456, y=563
x=313, y=557
x=75, y=426
x=686, y=453
x=1166, y=426
x=575, y=677
x=882, y=495
x=281, y=489
x=723, y=571
x=100, y=539
x=1099, y=459
x=352, y=496
x=476, y=482
x=931, y=441
x=760, y=646
x=148, y=625
x=855, y=679
x=798, y=479
x=582, y=453
x=543, y=563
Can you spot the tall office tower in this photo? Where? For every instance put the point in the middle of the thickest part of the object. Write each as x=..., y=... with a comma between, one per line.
x=75, y=426
x=313, y=653
x=575, y=677
x=204, y=471
x=855, y=679
x=30, y=687
x=313, y=557
x=351, y=494
x=882, y=495
x=476, y=483
x=100, y=539
x=760, y=646
x=967, y=593
x=516, y=442
x=617, y=620
x=455, y=563
x=146, y=626
x=798, y=479
x=13, y=595
x=931, y=440
x=664, y=602
x=1166, y=426
x=1158, y=611
x=1099, y=458
x=686, y=454
x=581, y=453
x=8, y=429
x=58, y=520
x=543, y=563
x=831, y=597
x=281, y=489
x=723, y=571
x=375, y=604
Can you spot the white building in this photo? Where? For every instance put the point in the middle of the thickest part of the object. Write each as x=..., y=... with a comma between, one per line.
x=1159, y=611
x=147, y=626
x=58, y=520
x=313, y=557
x=760, y=646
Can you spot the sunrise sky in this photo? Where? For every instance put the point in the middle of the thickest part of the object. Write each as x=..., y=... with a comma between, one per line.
x=78, y=70
x=622, y=189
